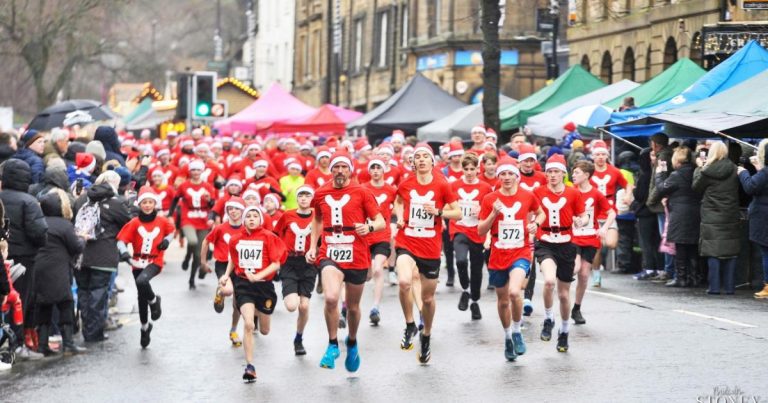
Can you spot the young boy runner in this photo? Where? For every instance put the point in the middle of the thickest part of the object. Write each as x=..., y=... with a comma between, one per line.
x=149, y=236
x=587, y=238
x=297, y=275
x=219, y=237
x=255, y=255
x=554, y=250
x=504, y=213
x=530, y=179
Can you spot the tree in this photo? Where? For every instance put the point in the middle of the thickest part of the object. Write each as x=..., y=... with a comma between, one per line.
x=491, y=13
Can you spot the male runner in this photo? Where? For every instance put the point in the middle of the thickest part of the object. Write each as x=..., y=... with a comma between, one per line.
x=530, y=179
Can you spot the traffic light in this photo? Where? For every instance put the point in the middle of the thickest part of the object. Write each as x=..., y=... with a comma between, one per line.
x=204, y=88
x=182, y=81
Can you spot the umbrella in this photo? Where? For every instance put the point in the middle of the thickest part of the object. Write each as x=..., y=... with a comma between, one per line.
x=75, y=111
x=589, y=115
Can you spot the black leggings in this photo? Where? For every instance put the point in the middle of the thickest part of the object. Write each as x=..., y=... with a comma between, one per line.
x=473, y=279
x=66, y=313
x=448, y=250
x=146, y=294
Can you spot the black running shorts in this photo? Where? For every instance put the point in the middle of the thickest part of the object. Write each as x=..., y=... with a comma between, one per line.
x=429, y=268
x=261, y=294
x=563, y=254
x=298, y=277
x=587, y=253
x=351, y=276
x=381, y=248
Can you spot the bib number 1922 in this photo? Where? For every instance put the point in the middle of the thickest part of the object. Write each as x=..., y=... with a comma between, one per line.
x=340, y=253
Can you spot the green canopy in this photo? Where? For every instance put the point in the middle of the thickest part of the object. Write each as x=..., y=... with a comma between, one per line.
x=671, y=82
x=140, y=110
x=573, y=83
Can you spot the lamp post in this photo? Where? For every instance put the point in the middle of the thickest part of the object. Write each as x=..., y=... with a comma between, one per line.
x=554, y=12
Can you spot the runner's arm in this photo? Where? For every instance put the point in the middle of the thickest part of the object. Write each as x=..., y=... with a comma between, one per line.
x=451, y=211
x=484, y=226
x=261, y=275
x=397, y=210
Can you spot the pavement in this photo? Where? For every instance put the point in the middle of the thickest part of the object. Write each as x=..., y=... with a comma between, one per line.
x=642, y=342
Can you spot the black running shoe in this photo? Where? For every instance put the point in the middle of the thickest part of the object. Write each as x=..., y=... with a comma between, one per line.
x=475, y=308
x=201, y=272
x=185, y=263
x=298, y=348
x=577, y=316
x=407, y=342
x=192, y=286
x=154, y=309
x=250, y=374
x=449, y=282
x=145, y=339
x=546, y=331
x=562, y=342
x=464, y=301
x=425, y=353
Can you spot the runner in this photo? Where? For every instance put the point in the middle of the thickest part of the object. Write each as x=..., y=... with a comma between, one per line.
x=587, y=238
x=149, y=235
x=467, y=243
x=554, y=251
x=427, y=199
x=219, y=237
x=505, y=215
x=321, y=174
x=488, y=163
x=379, y=242
x=255, y=255
x=297, y=275
x=477, y=134
x=530, y=179
x=341, y=210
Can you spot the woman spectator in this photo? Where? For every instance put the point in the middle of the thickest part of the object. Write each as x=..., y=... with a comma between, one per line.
x=684, y=207
x=720, y=239
x=757, y=186
x=647, y=223
x=30, y=151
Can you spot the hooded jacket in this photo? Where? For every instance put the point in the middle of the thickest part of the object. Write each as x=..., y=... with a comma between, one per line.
x=35, y=162
x=683, y=203
x=102, y=252
x=720, y=217
x=6, y=152
x=28, y=226
x=108, y=138
x=757, y=186
x=54, y=178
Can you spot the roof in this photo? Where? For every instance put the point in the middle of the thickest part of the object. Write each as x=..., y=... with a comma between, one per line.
x=459, y=123
x=672, y=81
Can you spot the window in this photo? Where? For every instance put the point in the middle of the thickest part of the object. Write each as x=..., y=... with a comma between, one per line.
x=433, y=18
x=628, y=72
x=318, y=56
x=356, y=59
x=404, y=28
x=477, y=13
x=585, y=63
x=382, y=39
x=301, y=72
x=606, y=68
x=670, y=52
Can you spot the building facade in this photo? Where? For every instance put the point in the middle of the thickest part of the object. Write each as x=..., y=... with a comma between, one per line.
x=638, y=39
x=383, y=43
x=269, y=51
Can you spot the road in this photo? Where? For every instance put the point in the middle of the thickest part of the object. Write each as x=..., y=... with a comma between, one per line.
x=642, y=342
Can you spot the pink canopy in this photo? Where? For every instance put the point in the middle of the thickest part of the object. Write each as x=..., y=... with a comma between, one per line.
x=275, y=105
x=328, y=119
x=346, y=115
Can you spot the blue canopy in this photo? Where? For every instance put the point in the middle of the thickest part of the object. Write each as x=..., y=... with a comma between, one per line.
x=742, y=65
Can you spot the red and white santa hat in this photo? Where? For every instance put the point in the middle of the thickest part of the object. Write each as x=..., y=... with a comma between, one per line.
x=156, y=171
x=248, y=209
x=146, y=193
x=85, y=162
x=292, y=163
x=235, y=180
x=489, y=144
x=260, y=163
x=253, y=146
x=341, y=158
x=172, y=134
x=273, y=197
x=398, y=136
x=376, y=161
x=323, y=152
x=526, y=151
x=490, y=133
x=386, y=148
x=202, y=147
x=236, y=202
x=306, y=146
x=424, y=147
x=479, y=129
x=556, y=161
x=507, y=164
x=162, y=151
x=227, y=139
x=305, y=189
x=252, y=193
x=187, y=143
x=362, y=145
x=598, y=146
x=455, y=149
x=348, y=146
x=196, y=164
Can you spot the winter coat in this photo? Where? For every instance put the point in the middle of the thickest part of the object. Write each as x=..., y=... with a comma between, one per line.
x=5, y=285
x=757, y=186
x=654, y=203
x=54, y=178
x=108, y=138
x=642, y=185
x=6, y=152
x=720, y=217
x=54, y=262
x=28, y=226
x=35, y=162
x=683, y=203
x=102, y=251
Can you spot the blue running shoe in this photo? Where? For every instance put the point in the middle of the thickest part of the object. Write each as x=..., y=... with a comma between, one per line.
x=517, y=338
x=527, y=307
x=352, y=363
x=509, y=349
x=329, y=359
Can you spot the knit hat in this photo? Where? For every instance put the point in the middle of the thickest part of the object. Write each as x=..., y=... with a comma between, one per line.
x=30, y=137
x=146, y=193
x=598, y=146
x=85, y=162
x=556, y=161
x=96, y=148
x=125, y=176
x=507, y=164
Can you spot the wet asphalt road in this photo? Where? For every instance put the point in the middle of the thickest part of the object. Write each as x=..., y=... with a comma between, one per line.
x=642, y=342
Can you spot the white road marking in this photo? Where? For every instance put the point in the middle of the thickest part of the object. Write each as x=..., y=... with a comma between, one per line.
x=616, y=297
x=701, y=315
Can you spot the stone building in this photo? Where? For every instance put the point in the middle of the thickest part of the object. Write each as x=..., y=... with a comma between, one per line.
x=385, y=42
x=637, y=39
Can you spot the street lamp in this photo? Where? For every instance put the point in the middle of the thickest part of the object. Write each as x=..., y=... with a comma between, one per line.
x=554, y=12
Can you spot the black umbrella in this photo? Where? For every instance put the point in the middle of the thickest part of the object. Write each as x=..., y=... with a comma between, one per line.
x=74, y=111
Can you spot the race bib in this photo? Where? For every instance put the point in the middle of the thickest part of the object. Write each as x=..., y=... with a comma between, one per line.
x=418, y=216
x=340, y=253
x=468, y=213
x=511, y=235
x=249, y=254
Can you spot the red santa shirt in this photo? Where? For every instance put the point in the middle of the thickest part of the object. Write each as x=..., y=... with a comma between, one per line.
x=384, y=196
x=170, y=173
x=595, y=205
x=451, y=175
x=607, y=182
x=194, y=203
x=255, y=251
x=165, y=194
x=317, y=178
x=220, y=237
x=263, y=185
x=422, y=233
x=391, y=175
x=144, y=237
x=492, y=181
x=340, y=210
x=294, y=229
x=560, y=208
x=209, y=174
x=469, y=198
x=509, y=233
x=532, y=181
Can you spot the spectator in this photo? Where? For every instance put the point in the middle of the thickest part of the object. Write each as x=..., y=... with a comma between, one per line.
x=628, y=104
x=720, y=239
x=31, y=152
x=757, y=186
x=58, y=145
x=108, y=138
x=54, y=178
x=684, y=207
x=625, y=218
x=647, y=223
x=53, y=268
x=7, y=146
x=661, y=152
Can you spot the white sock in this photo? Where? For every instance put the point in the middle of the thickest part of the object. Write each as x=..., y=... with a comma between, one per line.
x=517, y=327
x=144, y=326
x=549, y=314
x=508, y=332
x=154, y=300
x=565, y=326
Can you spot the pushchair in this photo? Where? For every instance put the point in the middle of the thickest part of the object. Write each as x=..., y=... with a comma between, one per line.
x=11, y=314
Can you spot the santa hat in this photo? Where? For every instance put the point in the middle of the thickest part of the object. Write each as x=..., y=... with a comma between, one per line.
x=236, y=202
x=398, y=135
x=85, y=162
x=556, y=161
x=253, y=146
x=323, y=152
x=479, y=129
x=348, y=146
x=273, y=197
x=507, y=164
x=156, y=171
x=375, y=162
x=217, y=144
x=491, y=133
x=293, y=165
x=196, y=164
x=146, y=193
x=490, y=144
x=260, y=163
x=252, y=192
x=386, y=148
x=172, y=134
x=393, y=162
x=162, y=151
x=570, y=126
x=235, y=180
x=227, y=139
x=455, y=149
x=257, y=209
x=306, y=146
x=237, y=144
x=305, y=189
x=406, y=150
x=424, y=147
x=598, y=146
x=526, y=151
x=362, y=145
x=187, y=143
x=341, y=158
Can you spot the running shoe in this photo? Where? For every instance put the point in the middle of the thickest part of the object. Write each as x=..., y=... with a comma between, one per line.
x=577, y=317
x=597, y=278
x=343, y=318
x=4, y=366
x=392, y=278
x=517, y=338
x=527, y=307
x=298, y=347
x=425, y=352
x=407, y=342
x=202, y=272
x=509, y=349
x=155, y=310
x=661, y=277
x=475, y=308
x=421, y=322
x=218, y=301
x=464, y=301
x=449, y=281
x=644, y=275
x=375, y=316
x=490, y=287
x=185, y=263
x=352, y=362
x=329, y=359
x=250, y=374
x=235, y=339
x=562, y=342
x=145, y=339
x=546, y=331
